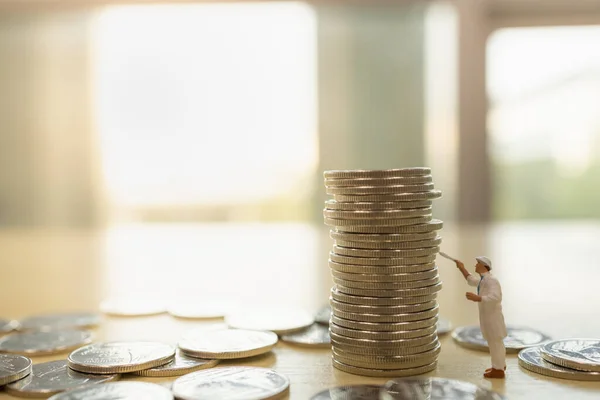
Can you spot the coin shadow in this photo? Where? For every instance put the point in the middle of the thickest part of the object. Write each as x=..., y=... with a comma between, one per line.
x=263, y=360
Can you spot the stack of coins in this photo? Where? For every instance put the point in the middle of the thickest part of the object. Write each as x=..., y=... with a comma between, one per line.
x=384, y=308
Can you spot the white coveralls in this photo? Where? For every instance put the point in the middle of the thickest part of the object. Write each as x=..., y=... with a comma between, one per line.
x=491, y=318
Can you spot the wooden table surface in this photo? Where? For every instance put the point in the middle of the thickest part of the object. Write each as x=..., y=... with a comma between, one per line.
x=549, y=274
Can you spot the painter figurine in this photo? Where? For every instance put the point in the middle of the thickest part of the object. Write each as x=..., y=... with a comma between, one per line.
x=491, y=320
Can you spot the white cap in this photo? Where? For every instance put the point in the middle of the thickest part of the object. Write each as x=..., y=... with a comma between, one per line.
x=485, y=261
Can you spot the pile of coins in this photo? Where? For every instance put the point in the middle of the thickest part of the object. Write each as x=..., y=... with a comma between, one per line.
x=575, y=359
x=384, y=302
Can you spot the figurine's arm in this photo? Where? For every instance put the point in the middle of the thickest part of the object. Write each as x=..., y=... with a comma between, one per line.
x=493, y=292
x=471, y=280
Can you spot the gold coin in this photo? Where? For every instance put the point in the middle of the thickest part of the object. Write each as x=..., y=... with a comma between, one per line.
x=387, y=285
x=372, y=206
x=394, y=278
x=385, y=351
x=387, y=362
x=421, y=244
x=353, y=198
x=433, y=225
x=403, y=180
x=396, y=189
x=388, y=261
x=425, y=291
x=377, y=222
x=228, y=344
x=384, y=327
x=382, y=343
x=380, y=269
x=382, y=238
x=379, y=301
x=376, y=173
x=360, y=317
x=395, y=373
x=375, y=335
x=404, y=309
x=368, y=253
x=385, y=214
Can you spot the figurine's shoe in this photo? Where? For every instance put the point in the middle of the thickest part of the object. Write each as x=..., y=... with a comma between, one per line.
x=489, y=369
x=494, y=374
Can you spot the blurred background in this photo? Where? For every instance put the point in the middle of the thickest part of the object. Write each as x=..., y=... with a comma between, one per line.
x=117, y=111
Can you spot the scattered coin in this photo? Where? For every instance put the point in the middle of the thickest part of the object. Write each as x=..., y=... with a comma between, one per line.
x=117, y=390
x=194, y=308
x=532, y=360
x=379, y=372
x=435, y=389
x=228, y=344
x=358, y=392
x=232, y=383
x=316, y=335
x=579, y=354
x=47, y=322
x=370, y=205
x=7, y=326
x=405, y=180
x=44, y=343
x=132, y=306
x=278, y=320
x=382, y=173
x=181, y=365
x=54, y=377
x=518, y=338
x=13, y=367
x=323, y=315
x=443, y=326
x=120, y=357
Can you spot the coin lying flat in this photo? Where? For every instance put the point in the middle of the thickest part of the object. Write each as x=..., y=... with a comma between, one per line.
x=401, y=285
x=228, y=344
x=54, y=377
x=382, y=344
x=376, y=223
x=377, y=214
x=532, y=360
x=232, y=383
x=132, y=306
x=386, y=277
x=180, y=365
x=383, y=245
x=384, y=327
x=443, y=326
x=316, y=335
x=433, y=225
x=120, y=357
x=385, y=351
x=13, y=367
x=118, y=390
x=44, y=343
x=323, y=315
x=518, y=338
x=381, y=335
x=386, y=362
x=47, y=322
x=380, y=269
x=386, y=318
x=377, y=372
x=579, y=354
x=7, y=326
x=197, y=311
x=382, y=293
x=405, y=180
x=375, y=253
x=435, y=389
x=368, y=190
x=381, y=173
x=387, y=261
x=382, y=310
x=382, y=237
x=379, y=301
x=387, y=197
x=373, y=206
x=358, y=392
x=278, y=320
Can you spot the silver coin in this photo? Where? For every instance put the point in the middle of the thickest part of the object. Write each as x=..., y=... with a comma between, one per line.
x=44, y=343
x=181, y=365
x=435, y=389
x=532, y=360
x=118, y=391
x=316, y=335
x=231, y=383
x=443, y=326
x=323, y=315
x=228, y=344
x=275, y=319
x=49, y=322
x=579, y=354
x=13, y=367
x=518, y=338
x=358, y=392
x=132, y=306
x=54, y=377
x=7, y=326
x=120, y=357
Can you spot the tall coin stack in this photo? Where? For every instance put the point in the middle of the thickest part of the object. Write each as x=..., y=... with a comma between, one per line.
x=384, y=302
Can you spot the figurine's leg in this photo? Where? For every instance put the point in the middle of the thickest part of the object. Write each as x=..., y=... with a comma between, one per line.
x=498, y=353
